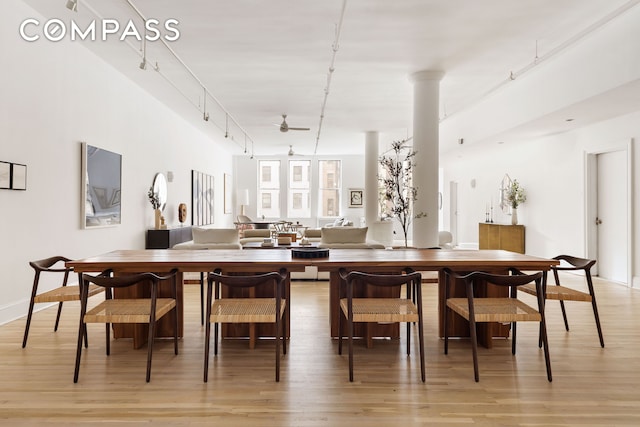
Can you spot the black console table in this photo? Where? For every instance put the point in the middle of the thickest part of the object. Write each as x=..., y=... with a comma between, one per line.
x=166, y=238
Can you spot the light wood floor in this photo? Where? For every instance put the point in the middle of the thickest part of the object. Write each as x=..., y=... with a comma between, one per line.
x=591, y=386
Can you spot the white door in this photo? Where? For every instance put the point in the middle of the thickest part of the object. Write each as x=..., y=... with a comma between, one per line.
x=453, y=210
x=611, y=217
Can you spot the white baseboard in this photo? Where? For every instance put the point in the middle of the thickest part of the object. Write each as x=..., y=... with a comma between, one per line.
x=11, y=312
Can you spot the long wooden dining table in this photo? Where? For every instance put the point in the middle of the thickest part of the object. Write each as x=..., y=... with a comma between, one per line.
x=368, y=260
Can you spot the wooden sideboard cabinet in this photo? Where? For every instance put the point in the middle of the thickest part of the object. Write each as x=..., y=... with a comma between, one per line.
x=166, y=238
x=501, y=236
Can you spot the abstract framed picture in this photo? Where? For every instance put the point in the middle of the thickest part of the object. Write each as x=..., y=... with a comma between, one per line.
x=18, y=176
x=5, y=175
x=356, y=197
x=202, y=201
x=101, y=187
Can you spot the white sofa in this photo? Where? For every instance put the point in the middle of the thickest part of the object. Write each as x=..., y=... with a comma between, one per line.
x=255, y=235
x=211, y=238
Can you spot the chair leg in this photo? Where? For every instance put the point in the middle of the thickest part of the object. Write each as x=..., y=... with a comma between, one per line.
x=564, y=315
x=81, y=332
x=26, y=328
x=421, y=341
x=86, y=339
x=474, y=348
x=201, y=298
x=215, y=338
x=514, y=326
x=207, y=335
x=547, y=360
x=175, y=331
x=350, y=327
x=55, y=327
x=206, y=351
x=34, y=291
x=150, y=348
x=595, y=313
x=446, y=329
x=595, y=306
x=152, y=327
x=340, y=330
x=278, y=336
x=564, y=312
x=284, y=328
x=408, y=338
x=107, y=334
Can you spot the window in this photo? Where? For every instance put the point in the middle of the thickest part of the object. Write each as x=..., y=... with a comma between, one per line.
x=269, y=189
x=298, y=199
x=329, y=188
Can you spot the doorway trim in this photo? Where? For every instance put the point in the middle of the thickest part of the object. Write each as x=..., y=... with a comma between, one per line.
x=591, y=200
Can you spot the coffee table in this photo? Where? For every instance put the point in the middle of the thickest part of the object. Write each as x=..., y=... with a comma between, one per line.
x=258, y=245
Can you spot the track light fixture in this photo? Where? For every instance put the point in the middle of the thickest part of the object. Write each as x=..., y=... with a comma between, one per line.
x=205, y=115
x=72, y=5
x=143, y=64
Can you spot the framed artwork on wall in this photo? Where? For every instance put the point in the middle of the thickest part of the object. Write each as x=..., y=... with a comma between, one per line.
x=18, y=176
x=356, y=197
x=202, y=206
x=5, y=175
x=13, y=176
x=227, y=194
x=101, y=177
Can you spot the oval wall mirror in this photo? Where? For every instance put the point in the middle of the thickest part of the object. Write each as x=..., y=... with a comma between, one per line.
x=160, y=189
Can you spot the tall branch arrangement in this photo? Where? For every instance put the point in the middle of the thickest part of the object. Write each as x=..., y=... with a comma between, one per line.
x=397, y=184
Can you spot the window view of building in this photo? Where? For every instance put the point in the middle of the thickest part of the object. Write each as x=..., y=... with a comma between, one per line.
x=268, y=189
x=329, y=178
x=298, y=201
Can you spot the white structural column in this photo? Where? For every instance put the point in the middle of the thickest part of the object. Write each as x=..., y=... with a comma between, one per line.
x=371, y=177
x=426, y=101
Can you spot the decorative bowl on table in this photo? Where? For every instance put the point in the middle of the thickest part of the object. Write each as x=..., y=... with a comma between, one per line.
x=309, y=253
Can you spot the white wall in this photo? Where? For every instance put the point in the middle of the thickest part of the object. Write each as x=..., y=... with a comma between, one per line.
x=552, y=171
x=55, y=95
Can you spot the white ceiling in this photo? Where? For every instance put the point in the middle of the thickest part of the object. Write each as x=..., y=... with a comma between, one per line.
x=264, y=58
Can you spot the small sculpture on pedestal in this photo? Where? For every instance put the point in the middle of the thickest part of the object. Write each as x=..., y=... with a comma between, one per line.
x=182, y=213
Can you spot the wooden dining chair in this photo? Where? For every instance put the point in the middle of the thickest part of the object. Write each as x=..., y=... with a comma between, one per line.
x=503, y=310
x=401, y=309
x=59, y=294
x=127, y=310
x=563, y=293
x=246, y=310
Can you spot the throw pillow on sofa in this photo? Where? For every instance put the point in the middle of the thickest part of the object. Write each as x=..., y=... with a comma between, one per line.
x=214, y=235
x=344, y=235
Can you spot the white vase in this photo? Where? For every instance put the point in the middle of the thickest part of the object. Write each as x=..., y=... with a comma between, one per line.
x=514, y=216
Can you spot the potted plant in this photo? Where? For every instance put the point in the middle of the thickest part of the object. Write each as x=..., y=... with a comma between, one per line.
x=515, y=195
x=155, y=203
x=398, y=189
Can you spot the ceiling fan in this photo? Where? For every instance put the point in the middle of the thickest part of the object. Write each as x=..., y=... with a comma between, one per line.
x=284, y=126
